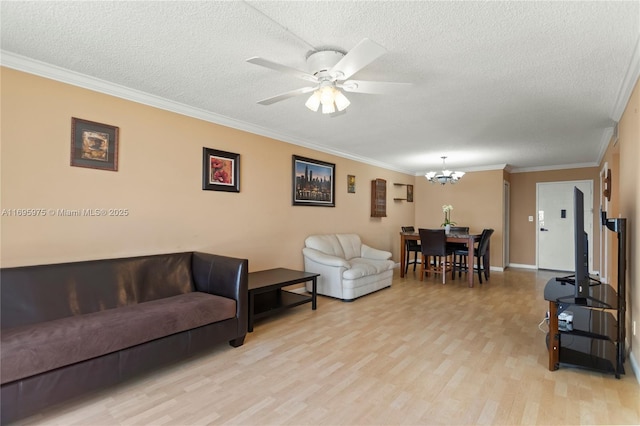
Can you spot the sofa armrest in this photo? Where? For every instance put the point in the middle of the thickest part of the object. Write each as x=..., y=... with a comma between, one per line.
x=223, y=276
x=373, y=253
x=325, y=259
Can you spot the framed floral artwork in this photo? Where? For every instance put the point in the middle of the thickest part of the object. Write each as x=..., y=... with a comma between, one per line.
x=94, y=145
x=220, y=170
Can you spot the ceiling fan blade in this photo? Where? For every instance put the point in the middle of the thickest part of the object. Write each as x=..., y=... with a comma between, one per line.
x=374, y=87
x=359, y=57
x=286, y=95
x=282, y=68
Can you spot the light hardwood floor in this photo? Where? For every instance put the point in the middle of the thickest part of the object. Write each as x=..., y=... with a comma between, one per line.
x=416, y=353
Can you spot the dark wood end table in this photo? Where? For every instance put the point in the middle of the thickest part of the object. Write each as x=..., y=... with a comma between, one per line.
x=266, y=296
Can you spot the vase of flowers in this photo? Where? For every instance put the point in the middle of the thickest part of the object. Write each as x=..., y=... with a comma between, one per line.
x=446, y=209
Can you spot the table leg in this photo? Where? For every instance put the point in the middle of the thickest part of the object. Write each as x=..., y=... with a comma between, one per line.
x=402, y=255
x=470, y=260
x=554, y=337
x=251, y=309
x=314, y=293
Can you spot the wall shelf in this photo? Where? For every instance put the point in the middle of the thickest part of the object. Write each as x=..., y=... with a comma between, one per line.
x=409, y=196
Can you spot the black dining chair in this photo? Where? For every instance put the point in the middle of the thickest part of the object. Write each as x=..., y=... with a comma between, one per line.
x=479, y=254
x=464, y=230
x=411, y=246
x=434, y=245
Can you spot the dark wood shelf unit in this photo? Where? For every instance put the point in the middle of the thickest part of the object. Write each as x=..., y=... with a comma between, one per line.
x=409, y=196
x=378, y=198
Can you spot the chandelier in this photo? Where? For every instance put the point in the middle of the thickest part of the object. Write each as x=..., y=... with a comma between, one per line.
x=444, y=176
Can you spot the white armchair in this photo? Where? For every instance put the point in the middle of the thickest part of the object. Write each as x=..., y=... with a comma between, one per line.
x=348, y=269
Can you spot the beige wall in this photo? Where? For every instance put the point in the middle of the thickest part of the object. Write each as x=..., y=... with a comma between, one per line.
x=629, y=207
x=523, y=204
x=477, y=203
x=159, y=181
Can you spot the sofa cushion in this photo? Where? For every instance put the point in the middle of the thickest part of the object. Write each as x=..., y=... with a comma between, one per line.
x=328, y=244
x=351, y=245
x=362, y=267
x=34, y=294
x=36, y=348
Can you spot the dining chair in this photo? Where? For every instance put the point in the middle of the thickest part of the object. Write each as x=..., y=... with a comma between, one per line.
x=458, y=246
x=411, y=246
x=479, y=255
x=434, y=245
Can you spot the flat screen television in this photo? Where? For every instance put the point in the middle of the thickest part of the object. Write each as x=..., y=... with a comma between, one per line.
x=581, y=253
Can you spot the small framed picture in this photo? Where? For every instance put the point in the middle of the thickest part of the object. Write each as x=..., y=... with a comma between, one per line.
x=351, y=184
x=94, y=145
x=220, y=170
x=410, y=193
x=313, y=182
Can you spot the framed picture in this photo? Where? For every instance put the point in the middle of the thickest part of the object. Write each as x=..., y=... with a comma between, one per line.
x=313, y=182
x=94, y=145
x=351, y=184
x=220, y=170
x=410, y=193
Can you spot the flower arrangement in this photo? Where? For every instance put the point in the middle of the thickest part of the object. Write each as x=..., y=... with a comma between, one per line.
x=446, y=208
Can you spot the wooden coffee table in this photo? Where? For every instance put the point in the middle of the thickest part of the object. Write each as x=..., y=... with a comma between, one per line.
x=266, y=296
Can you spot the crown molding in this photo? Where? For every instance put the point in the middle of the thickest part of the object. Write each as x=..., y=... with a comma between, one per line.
x=628, y=83
x=557, y=167
x=475, y=169
x=53, y=72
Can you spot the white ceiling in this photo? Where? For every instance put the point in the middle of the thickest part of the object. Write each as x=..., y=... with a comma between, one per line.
x=530, y=85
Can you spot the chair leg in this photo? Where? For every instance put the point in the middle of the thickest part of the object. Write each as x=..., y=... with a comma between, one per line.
x=422, y=269
x=479, y=270
x=406, y=256
x=485, y=268
x=443, y=263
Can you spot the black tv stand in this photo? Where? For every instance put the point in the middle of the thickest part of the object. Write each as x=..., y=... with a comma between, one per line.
x=571, y=279
x=596, y=339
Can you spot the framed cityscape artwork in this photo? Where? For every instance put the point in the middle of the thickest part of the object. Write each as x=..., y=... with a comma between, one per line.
x=313, y=182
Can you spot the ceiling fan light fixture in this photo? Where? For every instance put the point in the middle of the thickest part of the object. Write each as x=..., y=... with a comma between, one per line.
x=328, y=108
x=313, y=103
x=341, y=101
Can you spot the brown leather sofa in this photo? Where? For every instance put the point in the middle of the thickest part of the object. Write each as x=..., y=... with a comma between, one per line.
x=67, y=329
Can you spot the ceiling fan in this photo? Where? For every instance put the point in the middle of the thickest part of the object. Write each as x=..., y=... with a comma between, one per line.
x=330, y=71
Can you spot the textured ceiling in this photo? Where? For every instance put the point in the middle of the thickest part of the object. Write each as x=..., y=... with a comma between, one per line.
x=526, y=84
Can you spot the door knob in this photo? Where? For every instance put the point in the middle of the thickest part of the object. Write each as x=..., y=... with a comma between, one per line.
x=544, y=229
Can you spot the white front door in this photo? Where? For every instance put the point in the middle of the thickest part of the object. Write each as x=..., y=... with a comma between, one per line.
x=555, y=223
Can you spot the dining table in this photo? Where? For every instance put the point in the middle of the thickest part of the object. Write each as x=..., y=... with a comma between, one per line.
x=468, y=239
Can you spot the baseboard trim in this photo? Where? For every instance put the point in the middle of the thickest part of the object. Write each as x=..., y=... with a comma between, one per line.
x=634, y=366
x=522, y=266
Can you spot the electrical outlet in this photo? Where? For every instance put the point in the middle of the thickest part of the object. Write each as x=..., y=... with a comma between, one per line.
x=530, y=218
